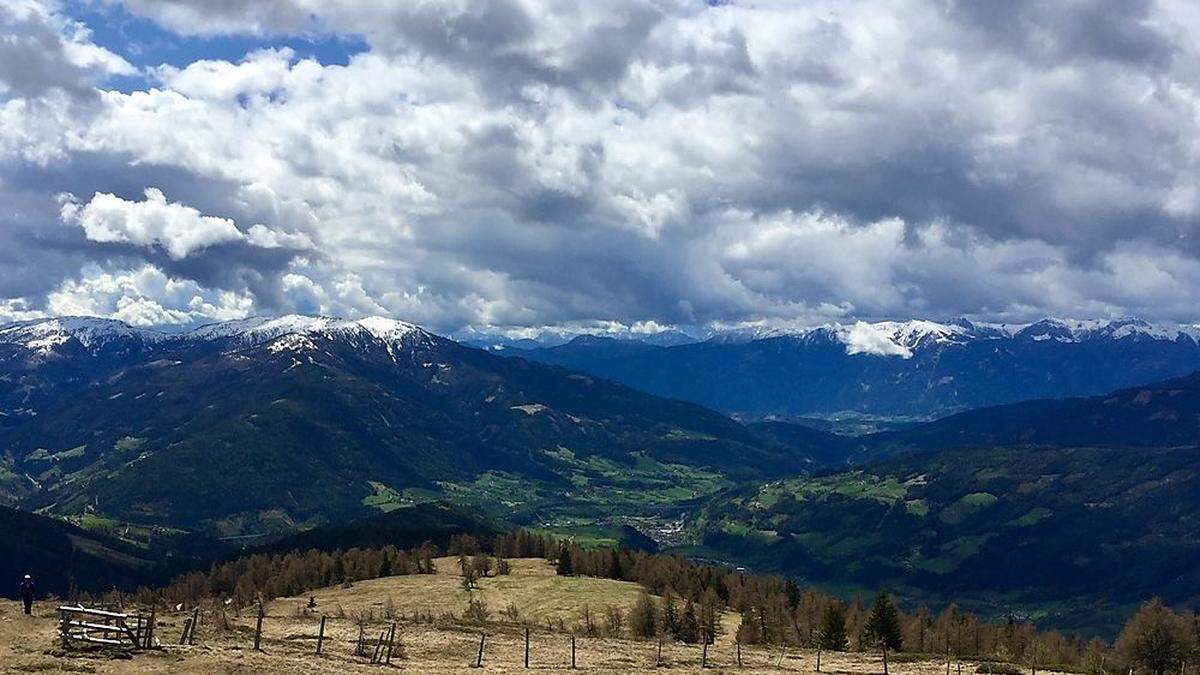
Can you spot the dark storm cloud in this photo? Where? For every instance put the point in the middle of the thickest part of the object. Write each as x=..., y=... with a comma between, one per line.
x=1051, y=33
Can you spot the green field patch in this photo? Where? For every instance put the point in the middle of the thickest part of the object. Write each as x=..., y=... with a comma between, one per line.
x=954, y=553
x=141, y=536
x=967, y=506
x=494, y=492
x=44, y=455
x=128, y=443
x=735, y=529
x=384, y=498
x=1033, y=517
x=688, y=435
x=853, y=485
x=916, y=507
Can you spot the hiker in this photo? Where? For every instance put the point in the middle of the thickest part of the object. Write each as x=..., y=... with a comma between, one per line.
x=27, y=590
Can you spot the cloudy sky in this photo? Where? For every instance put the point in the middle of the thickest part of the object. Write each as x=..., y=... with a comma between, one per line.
x=519, y=163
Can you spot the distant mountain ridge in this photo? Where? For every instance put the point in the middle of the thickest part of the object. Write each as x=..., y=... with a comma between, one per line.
x=1160, y=414
x=913, y=368
x=275, y=425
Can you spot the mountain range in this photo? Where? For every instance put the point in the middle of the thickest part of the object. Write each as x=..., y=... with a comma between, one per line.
x=274, y=425
x=137, y=449
x=914, y=369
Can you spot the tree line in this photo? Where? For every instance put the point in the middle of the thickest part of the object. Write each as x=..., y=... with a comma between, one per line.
x=777, y=611
x=684, y=599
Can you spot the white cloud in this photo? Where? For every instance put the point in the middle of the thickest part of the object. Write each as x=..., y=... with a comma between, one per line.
x=865, y=338
x=18, y=309
x=528, y=162
x=178, y=229
x=145, y=297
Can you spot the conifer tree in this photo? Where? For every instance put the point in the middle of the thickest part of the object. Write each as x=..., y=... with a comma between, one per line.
x=689, y=625
x=710, y=615
x=670, y=613
x=832, y=633
x=643, y=617
x=882, y=629
x=748, y=632
x=564, y=562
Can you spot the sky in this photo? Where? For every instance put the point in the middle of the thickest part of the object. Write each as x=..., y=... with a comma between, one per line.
x=514, y=164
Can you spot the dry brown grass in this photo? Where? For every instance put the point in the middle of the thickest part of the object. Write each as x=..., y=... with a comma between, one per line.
x=445, y=646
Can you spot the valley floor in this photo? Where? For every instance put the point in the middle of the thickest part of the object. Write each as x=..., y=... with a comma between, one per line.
x=224, y=641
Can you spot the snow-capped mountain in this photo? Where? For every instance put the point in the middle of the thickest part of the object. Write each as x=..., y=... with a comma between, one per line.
x=92, y=333
x=96, y=335
x=500, y=340
x=902, y=338
x=908, y=368
x=261, y=330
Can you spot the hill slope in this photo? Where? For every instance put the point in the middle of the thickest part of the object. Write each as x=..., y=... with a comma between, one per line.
x=997, y=529
x=1160, y=414
x=277, y=425
x=62, y=557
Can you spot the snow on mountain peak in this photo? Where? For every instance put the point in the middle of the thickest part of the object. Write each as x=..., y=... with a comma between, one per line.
x=388, y=330
x=44, y=334
x=903, y=338
x=261, y=330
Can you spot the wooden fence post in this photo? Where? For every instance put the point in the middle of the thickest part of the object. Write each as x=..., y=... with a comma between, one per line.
x=320, y=635
x=658, y=659
x=572, y=651
x=818, y=660
x=704, y=655
x=391, y=644
x=192, y=628
x=187, y=623
x=358, y=649
x=527, y=646
x=258, y=629
x=150, y=625
x=885, y=668
x=479, y=656
x=739, y=653
x=378, y=646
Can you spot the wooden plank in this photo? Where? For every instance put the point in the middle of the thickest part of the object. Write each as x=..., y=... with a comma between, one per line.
x=191, y=637
x=128, y=632
x=95, y=626
x=96, y=640
x=80, y=609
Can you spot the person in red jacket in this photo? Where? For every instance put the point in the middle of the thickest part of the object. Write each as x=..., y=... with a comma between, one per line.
x=27, y=591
